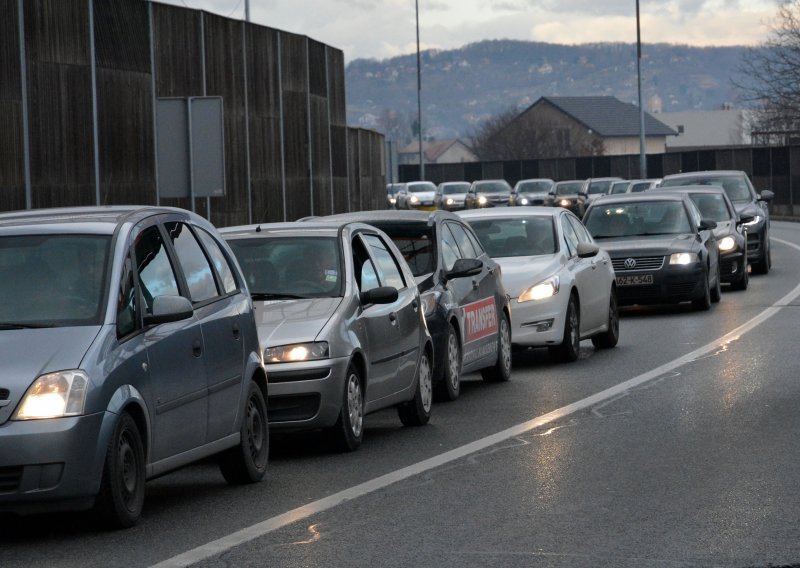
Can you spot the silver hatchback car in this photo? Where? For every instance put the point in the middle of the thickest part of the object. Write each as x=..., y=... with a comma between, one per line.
x=128, y=349
x=341, y=324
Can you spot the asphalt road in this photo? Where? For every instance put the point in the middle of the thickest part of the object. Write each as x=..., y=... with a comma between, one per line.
x=696, y=464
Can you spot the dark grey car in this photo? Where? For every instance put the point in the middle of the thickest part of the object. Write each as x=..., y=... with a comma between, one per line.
x=341, y=324
x=128, y=349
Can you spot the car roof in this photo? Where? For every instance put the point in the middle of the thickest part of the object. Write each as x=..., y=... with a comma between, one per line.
x=707, y=173
x=692, y=189
x=315, y=227
x=97, y=219
x=391, y=216
x=653, y=195
x=506, y=212
x=564, y=181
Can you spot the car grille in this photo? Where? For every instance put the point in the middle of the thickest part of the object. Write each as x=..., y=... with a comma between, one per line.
x=727, y=266
x=638, y=292
x=4, y=394
x=293, y=407
x=10, y=478
x=642, y=263
x=682, y=288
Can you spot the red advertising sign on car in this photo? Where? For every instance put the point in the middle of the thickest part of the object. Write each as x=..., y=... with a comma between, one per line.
x=480, y=320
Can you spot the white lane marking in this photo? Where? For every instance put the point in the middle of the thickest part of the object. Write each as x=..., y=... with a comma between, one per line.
x=260, y=529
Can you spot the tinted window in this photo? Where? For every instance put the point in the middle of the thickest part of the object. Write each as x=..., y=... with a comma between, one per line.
x=580, y=230
x=126, y=301
x=366, y=275
x=598, y=187
x=534, y=186
x=491, y=187
x=195, y=265
x=570, y=236
x=711, y=206
x=224, y=269
x=156, y=277
x=451, y=188
x=516, y=236
x=450, y=252
x=416, y=243
x=735, y=186
x=637, y=218
x=388, y=271
x=464, y=244
x=569, y=188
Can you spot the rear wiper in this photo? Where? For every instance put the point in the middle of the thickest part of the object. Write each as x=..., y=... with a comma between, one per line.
x=261, y=296
x=9, y=325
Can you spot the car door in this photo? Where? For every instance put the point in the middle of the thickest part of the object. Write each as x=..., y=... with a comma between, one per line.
x=219, y=312
x=174, y=352
x=595, y=295
x=580, y=269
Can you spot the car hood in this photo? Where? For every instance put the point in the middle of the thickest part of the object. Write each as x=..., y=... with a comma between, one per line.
x=281, y=322
x=423, y=195
x=456, y=196
x=572, y=196
x=28, y=353
x=522, y=272
x=655, y=245
x=724, y=228
x=748, y=208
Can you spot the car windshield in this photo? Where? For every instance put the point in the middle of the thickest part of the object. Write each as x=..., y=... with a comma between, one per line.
x=420, y=187
x=735, y=186
x=637, y=219
x=491, y=187
x=534, y=186
x=416, y=242
x=596, y=187
x=290, y=267
x=451, y=188
x=516, y=236
x=711, y=205
x=640, y=186
x=620, y=187
x=568, y=188
x=52, y=280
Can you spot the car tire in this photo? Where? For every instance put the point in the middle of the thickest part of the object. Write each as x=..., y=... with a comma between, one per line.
x=119, y=503
x=744, y=280
x=703, y=303
x=417, y=411
x=500, y=372
x=765, y=262
x=569, y=349
x=449, y=387
x=716, y=291
x=610, y=337
x=349, y=429
x=247, y=461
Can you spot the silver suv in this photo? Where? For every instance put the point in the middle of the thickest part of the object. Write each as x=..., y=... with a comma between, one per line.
x=128, y=348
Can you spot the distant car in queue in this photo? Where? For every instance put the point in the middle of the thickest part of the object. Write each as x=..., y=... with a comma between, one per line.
x=619, y=187
x=662, y=250
x=561, y=283
x=450, y=195
x=597, y=187
x=531, y=192
x=465, y=304
x=487, y=193
x=392, y=189
x=340, y=322
x=417, y=195
x=569, y=195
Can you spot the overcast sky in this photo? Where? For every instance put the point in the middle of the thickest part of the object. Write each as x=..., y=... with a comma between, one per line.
x=385, y=28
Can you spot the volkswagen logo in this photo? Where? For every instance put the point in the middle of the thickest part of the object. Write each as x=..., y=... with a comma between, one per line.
x=630, y=263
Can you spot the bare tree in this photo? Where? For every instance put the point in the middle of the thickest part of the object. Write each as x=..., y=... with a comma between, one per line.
x=770, y=77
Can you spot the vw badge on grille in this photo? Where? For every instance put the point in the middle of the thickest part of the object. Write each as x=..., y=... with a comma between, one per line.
x=630, y=263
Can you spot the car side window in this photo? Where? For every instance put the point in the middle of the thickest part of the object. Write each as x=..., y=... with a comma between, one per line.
x=388, y=271
x=366, y=275
x=127, y=321
x=580, y=230
x=156, y=276
x=462, y=240
x=476, y=244
x=450, y=252
x=193, y=261
x=220, y=261
x=569, y=236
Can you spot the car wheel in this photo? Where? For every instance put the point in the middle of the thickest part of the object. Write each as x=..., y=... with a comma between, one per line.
x=765, y=262
x=450, y=386
x=610, y=337
x=119, y=503
x=570, y=345
x=417, y=411
x=501, y=371
x=349, y=429
x=744, y=280
x=247, y=462
x=703, y=302
x=716, y=291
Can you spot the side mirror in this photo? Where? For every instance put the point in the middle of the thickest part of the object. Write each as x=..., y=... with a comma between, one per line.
x=587, y=250
x=381, y=295
x=744, y=218
x=168, y=309
x=551, y=193
x=766, y=195
x=464, y=267
x=707, y=225
x=583, y=194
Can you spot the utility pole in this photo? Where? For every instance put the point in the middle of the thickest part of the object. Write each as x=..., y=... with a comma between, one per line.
x=247, y=11
x=419, y=103
x=642, y=148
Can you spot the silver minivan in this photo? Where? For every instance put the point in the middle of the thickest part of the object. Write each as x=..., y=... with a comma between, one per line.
x=128, y=349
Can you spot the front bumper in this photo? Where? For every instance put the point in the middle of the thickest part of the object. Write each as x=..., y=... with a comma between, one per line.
x=53, y=464
x=307, y=395
x=756, y=248
x=671, y=284
x=538, y=322
x=732, y=266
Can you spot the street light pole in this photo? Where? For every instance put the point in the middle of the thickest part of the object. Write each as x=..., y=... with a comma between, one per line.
x=642, y=149
x=419, y=102
x=247, y=11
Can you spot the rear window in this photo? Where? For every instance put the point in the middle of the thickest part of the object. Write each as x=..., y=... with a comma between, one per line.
x=416, y=242
x=735, y=186
x=526, y=236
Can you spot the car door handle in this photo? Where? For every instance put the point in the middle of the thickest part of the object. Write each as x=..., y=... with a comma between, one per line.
x=475, y=284
x=393, y=318
x=415, y=305
x=197, y=348
x=236, y=331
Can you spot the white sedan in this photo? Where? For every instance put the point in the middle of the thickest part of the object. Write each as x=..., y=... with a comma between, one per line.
x=561, y=283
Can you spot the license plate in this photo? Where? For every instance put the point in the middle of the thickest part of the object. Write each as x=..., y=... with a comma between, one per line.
x=635, y=280
x=427, y=208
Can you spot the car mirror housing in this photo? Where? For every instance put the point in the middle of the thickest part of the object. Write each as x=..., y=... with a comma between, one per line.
x=766, y=195
x=464, y=267
x=745, y=218
x=380, y=295
x=707, y=225
x=587, y=250
x=168, y=309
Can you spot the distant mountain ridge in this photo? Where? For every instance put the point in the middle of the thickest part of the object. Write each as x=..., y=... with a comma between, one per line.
x=461, y=87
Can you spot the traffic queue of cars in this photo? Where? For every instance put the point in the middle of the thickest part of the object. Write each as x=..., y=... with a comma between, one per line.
x=142, y=339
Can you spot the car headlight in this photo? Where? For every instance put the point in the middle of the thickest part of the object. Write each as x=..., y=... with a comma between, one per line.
x=727, y=243
x=756, y=220
x=392, y=200
x=449, y=201
x=482, y=200
x=543, y=290
x=296, y=352
x=683, y=258
x=54, y=395
x=429, y=300
x=565, y=203
x=524, y=201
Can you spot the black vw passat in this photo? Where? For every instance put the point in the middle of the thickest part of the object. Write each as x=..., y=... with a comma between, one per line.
x=662, y=250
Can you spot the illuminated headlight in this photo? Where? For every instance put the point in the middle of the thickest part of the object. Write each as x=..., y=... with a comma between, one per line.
x=726, y=244
x=524, y=201
x=55, y=395
x=449, y=201
x=296, y=352
x=414, y=199
x=392, y=200
x=429, y=300
x=756, y=220
x=683, y=258
x=482, y=200
x=565, y=203
x=543, y=290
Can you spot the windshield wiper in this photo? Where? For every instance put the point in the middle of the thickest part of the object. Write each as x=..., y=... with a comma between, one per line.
x=10, y=325
x=260, y=296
